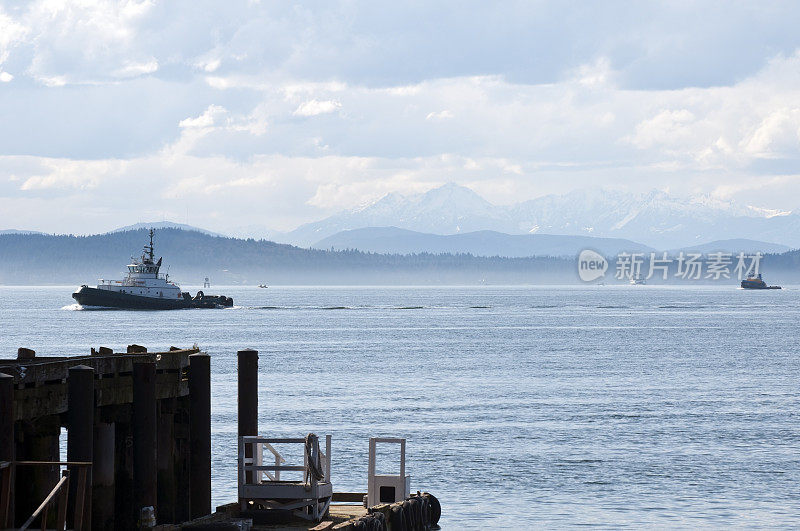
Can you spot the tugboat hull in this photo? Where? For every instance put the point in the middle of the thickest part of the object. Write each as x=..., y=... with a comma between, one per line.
x=87, y=296
x=757, y=284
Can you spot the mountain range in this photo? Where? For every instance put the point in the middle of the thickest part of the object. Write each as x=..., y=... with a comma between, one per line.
x=16, y=231
x=455, y=219
x=165, y=225
x=190, y=256
x=655, y=219
x=393, y=240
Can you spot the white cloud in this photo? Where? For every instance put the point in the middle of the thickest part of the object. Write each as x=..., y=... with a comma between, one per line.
x=131, y=69
x=210, y=117
x=593, y=75
x=71, y=174
x=441, y=115
x=11, y=33
x=210, y=65
x=218, y=92
x=85, y=42
x=315, y=107
x=507, y=140
x=665, y=128
x=778, y=134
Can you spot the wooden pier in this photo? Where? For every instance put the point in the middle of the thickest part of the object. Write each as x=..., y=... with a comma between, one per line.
x=138, y=451
x=139, y=423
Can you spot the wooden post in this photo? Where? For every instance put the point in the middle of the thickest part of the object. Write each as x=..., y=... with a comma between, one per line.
x=123, y=470
x=6, y=448
x=144, y=436
x=6, y=417
x=103, y=475
x=167, y=451
x=248, y=398
x=25, y=353
x=200, y=434
x=80, y=435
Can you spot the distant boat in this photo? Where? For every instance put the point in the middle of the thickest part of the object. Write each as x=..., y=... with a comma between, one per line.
x=263, y=286
x=756, y=282
x=637, y=280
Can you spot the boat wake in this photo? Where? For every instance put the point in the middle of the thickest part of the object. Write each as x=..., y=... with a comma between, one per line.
x=80, y=308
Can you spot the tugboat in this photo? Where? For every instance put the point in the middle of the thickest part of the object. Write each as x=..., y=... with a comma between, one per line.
x=756, y=282
x=145, y=289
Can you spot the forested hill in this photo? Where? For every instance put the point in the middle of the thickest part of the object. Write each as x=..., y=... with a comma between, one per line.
x=191, y=256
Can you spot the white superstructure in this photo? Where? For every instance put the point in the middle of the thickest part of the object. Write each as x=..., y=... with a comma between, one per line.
x=143, y=278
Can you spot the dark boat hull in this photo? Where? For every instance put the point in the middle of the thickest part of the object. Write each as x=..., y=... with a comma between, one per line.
x=757, y=285
x=87, y=296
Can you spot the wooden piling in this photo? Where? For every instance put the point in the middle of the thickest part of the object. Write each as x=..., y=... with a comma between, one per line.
x=168, y=451
x=200, y=434
x=44, y=394
x=25, y=354
x=6, y=417
x=103, y=475
x=248, y=397
x=37, y=440
x=6, y=448
x=144, y=436
x=80, y=434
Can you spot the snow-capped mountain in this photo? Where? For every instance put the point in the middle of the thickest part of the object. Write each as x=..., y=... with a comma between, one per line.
x=656, y=218
x=450, y=209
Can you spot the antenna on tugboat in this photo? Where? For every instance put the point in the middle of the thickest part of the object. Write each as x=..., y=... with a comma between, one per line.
x=149, y=248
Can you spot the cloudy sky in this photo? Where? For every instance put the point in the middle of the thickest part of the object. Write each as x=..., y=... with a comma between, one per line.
x=229, y=114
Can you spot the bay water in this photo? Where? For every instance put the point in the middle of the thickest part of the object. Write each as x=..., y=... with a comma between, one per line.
x=522, y=406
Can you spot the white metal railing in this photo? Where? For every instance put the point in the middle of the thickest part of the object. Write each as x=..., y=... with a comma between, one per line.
x=396, y=487
x=260, y=482
x=261, y=472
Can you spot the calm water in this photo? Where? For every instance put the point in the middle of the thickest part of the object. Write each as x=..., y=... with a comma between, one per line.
x=634, y=405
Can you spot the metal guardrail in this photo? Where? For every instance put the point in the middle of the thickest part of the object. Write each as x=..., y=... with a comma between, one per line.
x=262, y=484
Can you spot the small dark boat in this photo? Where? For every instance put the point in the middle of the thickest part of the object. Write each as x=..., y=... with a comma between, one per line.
x=756, y=282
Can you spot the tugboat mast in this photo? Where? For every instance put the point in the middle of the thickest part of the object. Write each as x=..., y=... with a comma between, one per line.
x=149, y=248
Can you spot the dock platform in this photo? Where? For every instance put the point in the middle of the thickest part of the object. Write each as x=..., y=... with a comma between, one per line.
x=138, y=438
